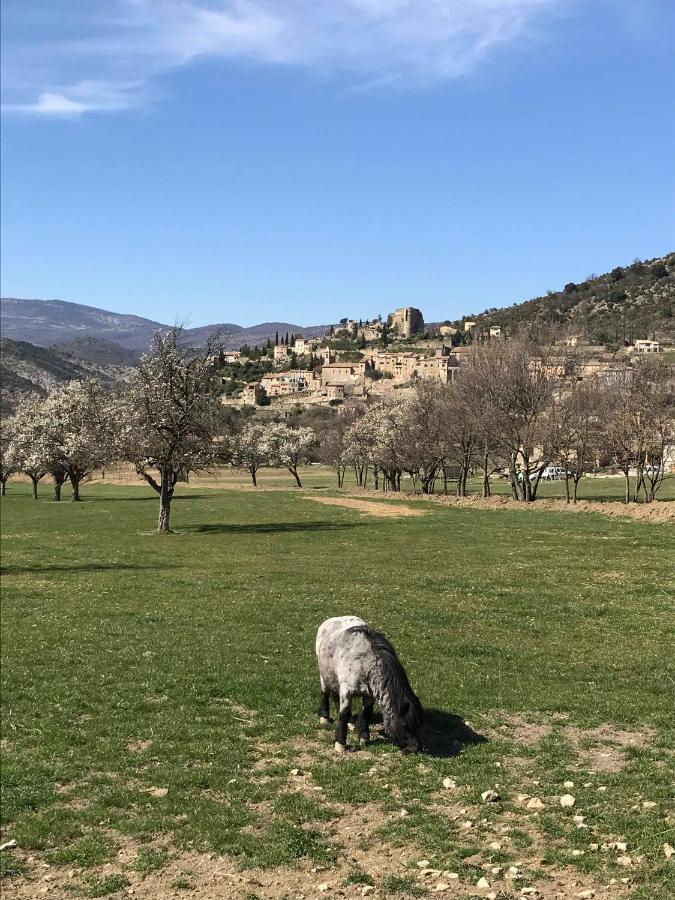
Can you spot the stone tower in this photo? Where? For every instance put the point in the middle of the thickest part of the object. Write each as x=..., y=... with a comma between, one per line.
x=407, y=321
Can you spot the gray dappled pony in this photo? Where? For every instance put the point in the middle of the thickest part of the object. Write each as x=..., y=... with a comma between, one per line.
x=355, y=660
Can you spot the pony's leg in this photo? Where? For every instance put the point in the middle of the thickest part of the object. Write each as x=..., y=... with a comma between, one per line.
x=324, y=704
x=343, y=720
x=365, y=719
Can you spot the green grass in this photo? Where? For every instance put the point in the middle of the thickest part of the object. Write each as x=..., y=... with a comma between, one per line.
x=201, y=643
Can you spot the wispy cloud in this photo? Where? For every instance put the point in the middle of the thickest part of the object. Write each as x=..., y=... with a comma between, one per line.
x=79, y=98
x=116, y=51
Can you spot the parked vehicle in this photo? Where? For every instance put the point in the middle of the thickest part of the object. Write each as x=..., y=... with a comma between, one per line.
x=554, y=473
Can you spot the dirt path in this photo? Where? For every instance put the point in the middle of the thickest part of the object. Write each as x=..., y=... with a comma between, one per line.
x=379, y=510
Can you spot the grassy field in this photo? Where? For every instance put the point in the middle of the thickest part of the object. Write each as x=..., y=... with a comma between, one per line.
x=160, y=693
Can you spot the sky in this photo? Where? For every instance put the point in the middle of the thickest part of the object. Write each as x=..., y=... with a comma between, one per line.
x=305, y=160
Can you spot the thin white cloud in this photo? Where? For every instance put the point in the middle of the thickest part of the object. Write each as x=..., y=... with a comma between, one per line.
x=117, y=50
x=79, y=98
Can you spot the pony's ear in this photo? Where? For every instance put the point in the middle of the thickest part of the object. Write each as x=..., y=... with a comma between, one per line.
x=404, y=709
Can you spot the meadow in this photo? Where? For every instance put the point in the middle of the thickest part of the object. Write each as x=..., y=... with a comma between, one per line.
x=159, y=699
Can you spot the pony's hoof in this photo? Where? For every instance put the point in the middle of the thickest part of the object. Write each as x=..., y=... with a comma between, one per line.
x=340, y=748
x=323, y=720
x=364, y=742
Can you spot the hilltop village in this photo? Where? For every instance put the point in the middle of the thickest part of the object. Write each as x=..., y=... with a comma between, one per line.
x=357, y=359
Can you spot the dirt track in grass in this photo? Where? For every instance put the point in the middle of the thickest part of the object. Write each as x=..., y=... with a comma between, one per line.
x=379, y=510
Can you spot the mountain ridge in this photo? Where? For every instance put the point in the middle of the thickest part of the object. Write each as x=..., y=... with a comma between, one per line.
x=48, y=323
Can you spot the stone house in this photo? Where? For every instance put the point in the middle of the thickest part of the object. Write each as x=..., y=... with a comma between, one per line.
x=646, y=346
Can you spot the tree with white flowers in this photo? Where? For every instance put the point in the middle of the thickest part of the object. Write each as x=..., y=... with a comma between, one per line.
x=6, y=463
x=170, y=416
x=78, y=426
x=289, y=447
x=248, y=449
x=31, y=449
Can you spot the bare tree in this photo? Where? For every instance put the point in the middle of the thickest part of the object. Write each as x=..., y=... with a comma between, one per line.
x=333, y=442
x=575, y=431
x=170, y=415
x=653, y=400
x=462, y=427
x=514, y=387
x=638, y=417
x=422, y=434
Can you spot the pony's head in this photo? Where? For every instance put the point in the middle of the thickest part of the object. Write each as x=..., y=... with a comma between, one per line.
x=404, y=724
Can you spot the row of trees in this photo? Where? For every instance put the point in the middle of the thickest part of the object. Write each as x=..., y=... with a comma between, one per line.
x=509, y=413
x=506, y=413
x=168, y=422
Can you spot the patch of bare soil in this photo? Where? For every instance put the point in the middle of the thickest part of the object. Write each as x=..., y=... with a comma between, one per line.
x=138, y=746
x=206, y=876
x=379, y=510
x=518, y=730
x=601, y=749
x=353, y=830
x=659, y=512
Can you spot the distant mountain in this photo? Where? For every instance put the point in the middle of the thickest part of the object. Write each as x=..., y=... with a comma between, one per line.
x=630, y=302
x=49, y=322
x=58, y=322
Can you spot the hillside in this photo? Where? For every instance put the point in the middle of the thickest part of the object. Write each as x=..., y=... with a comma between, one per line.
x=629, y=302
x=25, y=367
x=48, y=323
x=100, y=352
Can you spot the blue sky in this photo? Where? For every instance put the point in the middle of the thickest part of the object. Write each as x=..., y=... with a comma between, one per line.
x=304, y=160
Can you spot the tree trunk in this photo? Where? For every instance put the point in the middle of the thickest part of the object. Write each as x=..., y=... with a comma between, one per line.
x=75, y=484
x=253, y=477
x=577, y=479
x=165, y=497
x=515, y=487
x=294, y=473
x=627, y=477
x=567, y=487
x=34, y=482
x=486, y=471
x=59, y=479
x=3, y=486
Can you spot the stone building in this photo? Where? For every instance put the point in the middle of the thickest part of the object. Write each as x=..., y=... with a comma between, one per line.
x=407, y=321
x=280, y=384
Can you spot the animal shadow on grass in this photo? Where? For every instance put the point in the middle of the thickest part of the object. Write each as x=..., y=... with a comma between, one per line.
x=447, y=734
x=270, y=527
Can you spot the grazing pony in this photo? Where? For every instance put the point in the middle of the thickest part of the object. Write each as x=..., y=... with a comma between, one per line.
x=355, y=660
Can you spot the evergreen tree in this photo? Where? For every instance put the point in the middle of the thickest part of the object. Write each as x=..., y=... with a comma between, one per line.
x=276, y=339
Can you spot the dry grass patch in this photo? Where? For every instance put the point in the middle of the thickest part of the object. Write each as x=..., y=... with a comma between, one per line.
x=379, y=510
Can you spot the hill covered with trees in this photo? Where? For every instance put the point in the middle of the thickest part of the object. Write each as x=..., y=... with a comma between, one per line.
x=630, y=302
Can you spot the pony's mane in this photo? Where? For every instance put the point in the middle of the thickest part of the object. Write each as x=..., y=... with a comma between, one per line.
x=394, y=676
